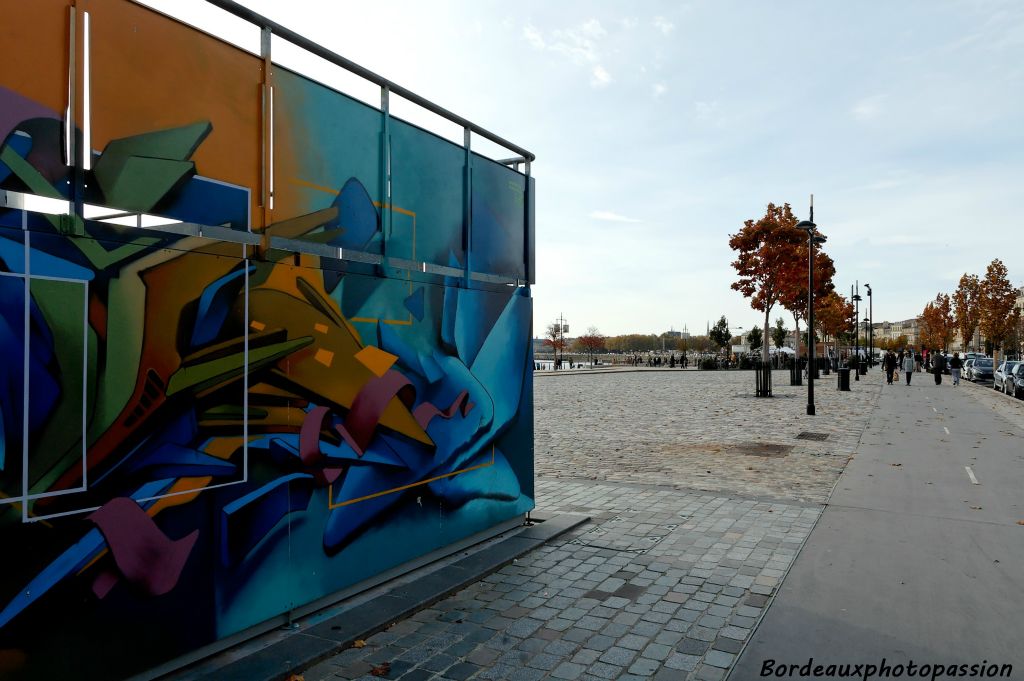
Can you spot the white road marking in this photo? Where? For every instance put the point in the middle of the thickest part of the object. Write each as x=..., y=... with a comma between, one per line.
x=970, y=474
x=935, y=410
x=946, y=429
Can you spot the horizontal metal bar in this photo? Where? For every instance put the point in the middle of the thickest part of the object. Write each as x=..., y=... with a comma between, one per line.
x=321, y=51
x=496, y=278
x=511, y=161
x=359, y=256
x=17, y=200
x=443, y=270
x=307, y=247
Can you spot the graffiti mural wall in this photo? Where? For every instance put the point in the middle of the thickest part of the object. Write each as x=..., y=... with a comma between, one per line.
x=245, y=363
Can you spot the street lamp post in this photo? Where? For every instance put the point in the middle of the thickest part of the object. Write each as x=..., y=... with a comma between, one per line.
x=871, y=328
x=812, y=238
x=856, y=336
x=867, y=328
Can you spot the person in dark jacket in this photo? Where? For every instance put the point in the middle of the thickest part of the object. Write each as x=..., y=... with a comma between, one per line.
x=938, y=364
x=955, y=365
x=890, y=366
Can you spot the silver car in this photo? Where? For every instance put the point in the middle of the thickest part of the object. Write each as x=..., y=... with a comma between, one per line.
x=1013, y=384
x=999, y=378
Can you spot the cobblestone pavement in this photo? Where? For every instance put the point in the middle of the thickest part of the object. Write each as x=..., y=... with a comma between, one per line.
x=674, y=571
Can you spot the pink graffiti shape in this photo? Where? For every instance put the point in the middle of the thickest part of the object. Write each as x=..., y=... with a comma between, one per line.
x=104, y=582
x=144, y=555
x=426, y=412
x=370, y=403
x=309, y=446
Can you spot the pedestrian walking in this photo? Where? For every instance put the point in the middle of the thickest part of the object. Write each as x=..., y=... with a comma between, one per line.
x=890, y=366
x=938, y=361
x=908, y=364
x=955, y=365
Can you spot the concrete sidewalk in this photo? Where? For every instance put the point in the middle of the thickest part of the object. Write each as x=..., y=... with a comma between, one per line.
x=918, y=555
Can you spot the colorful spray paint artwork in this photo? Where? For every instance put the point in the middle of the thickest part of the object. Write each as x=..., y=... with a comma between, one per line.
x=201, y=433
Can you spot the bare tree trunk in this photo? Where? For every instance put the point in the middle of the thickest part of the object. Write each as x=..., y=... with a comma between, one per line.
x=796, y=322
x=764, y=337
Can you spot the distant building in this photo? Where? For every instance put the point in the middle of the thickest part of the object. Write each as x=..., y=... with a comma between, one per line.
x=890, y=331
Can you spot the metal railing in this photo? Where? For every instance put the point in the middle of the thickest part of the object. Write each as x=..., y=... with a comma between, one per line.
x=319, y=50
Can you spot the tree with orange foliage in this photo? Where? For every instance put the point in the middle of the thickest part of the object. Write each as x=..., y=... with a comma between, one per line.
x=794, y=295
x=965, y=307
x=833, y=315
x=768, y=256
x=937, y=324
x=590, y=342
x=555, y=339
x=998, y=314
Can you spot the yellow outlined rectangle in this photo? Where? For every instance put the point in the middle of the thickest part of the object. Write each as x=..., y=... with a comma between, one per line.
x=330, y=489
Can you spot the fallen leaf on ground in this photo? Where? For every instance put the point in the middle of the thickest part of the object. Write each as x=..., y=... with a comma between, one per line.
x=296, y=677
x=360, y=643
x=975, y=508
x=895, y=464
x=382, y=669
x=1020, y=522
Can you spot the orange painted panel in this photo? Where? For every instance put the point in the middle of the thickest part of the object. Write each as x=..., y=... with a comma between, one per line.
x=152, y=73
x=34, y=51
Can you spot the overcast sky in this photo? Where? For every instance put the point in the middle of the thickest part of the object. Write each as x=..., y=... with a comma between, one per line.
x=660, y=127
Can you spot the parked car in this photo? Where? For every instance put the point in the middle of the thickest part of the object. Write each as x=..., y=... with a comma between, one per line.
x=981, y=370
x=1014, y=382
x=1000, y=374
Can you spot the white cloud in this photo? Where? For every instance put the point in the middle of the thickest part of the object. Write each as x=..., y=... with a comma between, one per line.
x=659, y=89
x=593, y=29
x=664, y=25
x=629, y=23
x=575, y=44
x=868, y=108
x=599, y=77
x=609, y=216
x=533, y=37
x=579, y=44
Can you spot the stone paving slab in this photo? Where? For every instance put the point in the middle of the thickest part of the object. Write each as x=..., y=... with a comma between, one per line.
x=700, y=500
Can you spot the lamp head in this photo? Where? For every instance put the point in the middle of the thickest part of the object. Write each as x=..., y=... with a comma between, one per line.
x=806, y=225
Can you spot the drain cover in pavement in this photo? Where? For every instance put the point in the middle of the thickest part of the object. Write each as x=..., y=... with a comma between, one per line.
x=761, y=449
x=608, y=536
x=812, y=436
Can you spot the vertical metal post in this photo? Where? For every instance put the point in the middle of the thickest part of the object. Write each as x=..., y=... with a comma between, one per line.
x=871, y=329
x=856, y=332
x=810, y=318
x=267, y=138
x=70, y=146
x=467, y=207
x=385, y=168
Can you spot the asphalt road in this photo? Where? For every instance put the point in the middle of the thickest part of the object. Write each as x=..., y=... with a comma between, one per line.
x=911, y=560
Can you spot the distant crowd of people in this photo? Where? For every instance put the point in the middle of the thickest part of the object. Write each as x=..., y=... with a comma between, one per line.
x=910, y=360
x=659, y=361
